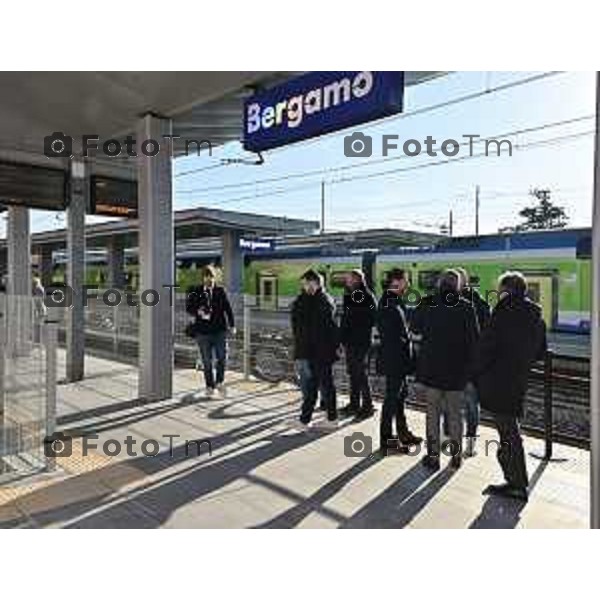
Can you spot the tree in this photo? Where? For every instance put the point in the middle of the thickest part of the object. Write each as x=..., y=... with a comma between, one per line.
x=544, y=215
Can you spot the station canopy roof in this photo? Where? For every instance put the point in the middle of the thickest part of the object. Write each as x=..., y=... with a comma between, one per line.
x=33, y=105
x=202, y=105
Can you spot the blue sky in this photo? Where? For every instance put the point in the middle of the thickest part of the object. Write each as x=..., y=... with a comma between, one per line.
x=420, y=198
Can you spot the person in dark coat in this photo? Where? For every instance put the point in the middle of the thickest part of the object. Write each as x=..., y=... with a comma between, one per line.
x=315, y=332
x=210, y=306
x=513, y=341
x=445, y=327
x=395, y=361
x=358, y=319
x=483, y=314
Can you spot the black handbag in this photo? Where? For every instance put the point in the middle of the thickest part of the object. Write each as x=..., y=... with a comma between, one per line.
x=191, y=329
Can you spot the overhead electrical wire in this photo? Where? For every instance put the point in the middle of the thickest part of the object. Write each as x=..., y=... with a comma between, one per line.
x=332, y=170
x=396, y=172
x=453, y=101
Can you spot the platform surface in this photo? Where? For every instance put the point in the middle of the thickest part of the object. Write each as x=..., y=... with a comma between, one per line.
x=262, y=470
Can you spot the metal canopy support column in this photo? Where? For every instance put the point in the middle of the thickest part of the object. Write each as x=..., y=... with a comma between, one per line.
x=75, y=318
x=595, y=325
x=156, y=258
x=18, y=323
x=233, y=262
x=19, y=251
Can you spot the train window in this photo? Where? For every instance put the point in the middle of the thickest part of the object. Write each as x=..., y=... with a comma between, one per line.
x=385, y=277
x=533, y=291
x=267, y=291
x=428, y=279
x=338, y=279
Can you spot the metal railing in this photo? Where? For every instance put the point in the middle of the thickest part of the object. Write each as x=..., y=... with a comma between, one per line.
x=28, y=347
x=558, y=395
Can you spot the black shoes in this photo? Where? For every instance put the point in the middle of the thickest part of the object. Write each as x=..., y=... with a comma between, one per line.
x=407, y=438
x=456, y=462
x=359, y=413
x=507, y=491
x=431, y=462
x=391, y=446
x=366, y=412
x=349, y=410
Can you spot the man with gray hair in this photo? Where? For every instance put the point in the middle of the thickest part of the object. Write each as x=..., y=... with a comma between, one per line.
x=514, y=339
x=445, y=328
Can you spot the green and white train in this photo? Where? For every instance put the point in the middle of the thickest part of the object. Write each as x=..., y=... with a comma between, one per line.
x=556, y=263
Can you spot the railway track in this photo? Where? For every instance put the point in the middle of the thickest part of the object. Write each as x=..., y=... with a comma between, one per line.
x=115, y=336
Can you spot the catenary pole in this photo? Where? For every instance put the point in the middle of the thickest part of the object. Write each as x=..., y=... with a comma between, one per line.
x=595, y=327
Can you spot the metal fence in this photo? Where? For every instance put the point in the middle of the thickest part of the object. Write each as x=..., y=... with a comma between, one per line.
x=262, y=346
x=27, y=385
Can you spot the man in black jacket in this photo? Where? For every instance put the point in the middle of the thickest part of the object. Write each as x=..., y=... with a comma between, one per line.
x=210, y=306
x=446, y=329
x=483, y=313
x=358, y=320
x=469, y=291
x=394, y=361
x=513, y=341
x=315, y=346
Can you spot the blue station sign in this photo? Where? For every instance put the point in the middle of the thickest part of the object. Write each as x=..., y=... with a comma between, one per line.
x=255, y=244
x=317, y=103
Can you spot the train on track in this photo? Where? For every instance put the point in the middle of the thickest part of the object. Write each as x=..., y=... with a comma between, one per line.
x=557, y=265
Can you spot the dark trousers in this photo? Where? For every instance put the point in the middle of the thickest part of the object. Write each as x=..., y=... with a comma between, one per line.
x=357, y=365
x=212, y=344
x=510, y=454
x=319, y=376
x=396, y=391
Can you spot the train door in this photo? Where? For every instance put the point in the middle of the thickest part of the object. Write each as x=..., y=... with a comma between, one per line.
x=267, y=292
x=541, y=289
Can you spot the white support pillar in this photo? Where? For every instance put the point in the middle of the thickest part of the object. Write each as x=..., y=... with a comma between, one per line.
x=156, y=259
x=19, y=277
x=595, y=326
x=19, y=251
x=75, y=318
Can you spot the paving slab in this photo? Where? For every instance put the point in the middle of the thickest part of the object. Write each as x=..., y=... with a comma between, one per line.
x=264, y=471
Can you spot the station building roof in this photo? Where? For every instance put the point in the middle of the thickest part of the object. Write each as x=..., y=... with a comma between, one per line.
x=189, y=224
